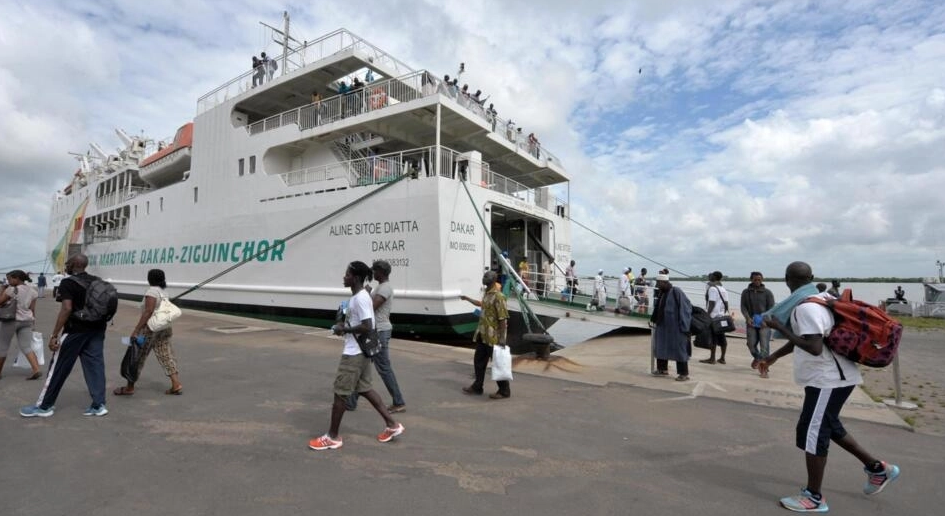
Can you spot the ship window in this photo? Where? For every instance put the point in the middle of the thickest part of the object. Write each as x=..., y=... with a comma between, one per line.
x=136, y=211
x=241, y=166
x=195, y=195
x=147, y=207
x=252, y=164
x=162, y=204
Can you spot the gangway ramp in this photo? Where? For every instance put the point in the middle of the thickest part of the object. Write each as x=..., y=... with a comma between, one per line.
x=578, y=311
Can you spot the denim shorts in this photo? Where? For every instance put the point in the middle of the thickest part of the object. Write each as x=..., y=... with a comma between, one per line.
x=354, y=375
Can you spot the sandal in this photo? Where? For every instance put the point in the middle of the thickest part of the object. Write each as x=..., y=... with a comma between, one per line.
x=35, y=376
x=123, y=391
x=707, y=361
x=175, y=392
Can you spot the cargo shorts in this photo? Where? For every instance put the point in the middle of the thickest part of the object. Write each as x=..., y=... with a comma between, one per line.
x=354, y=375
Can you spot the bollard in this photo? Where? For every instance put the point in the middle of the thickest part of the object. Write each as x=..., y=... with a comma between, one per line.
x=897, y=402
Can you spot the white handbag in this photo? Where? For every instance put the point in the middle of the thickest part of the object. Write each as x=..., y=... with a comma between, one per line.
x=165, y=313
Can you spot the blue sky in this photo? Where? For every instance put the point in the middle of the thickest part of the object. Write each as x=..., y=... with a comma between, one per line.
x=758, y=133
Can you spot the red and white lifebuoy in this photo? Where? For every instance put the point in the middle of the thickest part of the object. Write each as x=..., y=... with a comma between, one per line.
x=378, y=98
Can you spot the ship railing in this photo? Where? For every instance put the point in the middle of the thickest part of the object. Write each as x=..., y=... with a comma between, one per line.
x=310, y=52
x=420, y=162
x=381, y=94
x=375, y=95
x=115, y=198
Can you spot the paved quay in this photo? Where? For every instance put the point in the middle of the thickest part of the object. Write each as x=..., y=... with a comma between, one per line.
x=587, y=433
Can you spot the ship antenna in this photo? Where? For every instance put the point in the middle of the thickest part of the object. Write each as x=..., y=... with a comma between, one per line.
x=285, y=38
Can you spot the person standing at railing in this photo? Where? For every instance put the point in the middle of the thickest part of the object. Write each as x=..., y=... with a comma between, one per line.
x=266, y=67
x=492, y=114
x=258, y=72
x=317, y=102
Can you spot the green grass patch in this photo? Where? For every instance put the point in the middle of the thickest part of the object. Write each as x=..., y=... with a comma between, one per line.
x=922, y=323
x=910, y=420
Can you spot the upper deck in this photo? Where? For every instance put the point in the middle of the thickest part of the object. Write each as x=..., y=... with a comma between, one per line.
x=397, y=110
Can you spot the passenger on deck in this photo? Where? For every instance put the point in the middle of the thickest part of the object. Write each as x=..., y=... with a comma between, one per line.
x=523, y=272
x=546, y=277
x=670, y=322
x=510, y=130
x=623, y=292
x=369, y=76
x=639, y=293
x=258, y=72
x=266, y=66
x=900, y=294
x=492, y=113
x=317, y=102
x=600, y=291
x=570, y=279
x=821, y=287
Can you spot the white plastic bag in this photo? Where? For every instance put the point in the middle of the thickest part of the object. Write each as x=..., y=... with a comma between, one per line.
x=37, y=345
x=501, y=363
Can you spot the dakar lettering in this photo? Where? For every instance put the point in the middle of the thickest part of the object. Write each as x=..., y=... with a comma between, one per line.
x=218, y=252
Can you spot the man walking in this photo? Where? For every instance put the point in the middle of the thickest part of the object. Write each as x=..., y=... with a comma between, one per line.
x=756, y=300
x=41, y=284
x=81, y=339
x=381, y=299
x=493, y=325
x=354, y=370
x=828, y=379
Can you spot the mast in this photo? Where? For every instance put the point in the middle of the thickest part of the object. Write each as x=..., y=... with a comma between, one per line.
x=285, y=39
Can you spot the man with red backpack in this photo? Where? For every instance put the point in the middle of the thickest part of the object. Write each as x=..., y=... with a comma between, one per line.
x=828, y=379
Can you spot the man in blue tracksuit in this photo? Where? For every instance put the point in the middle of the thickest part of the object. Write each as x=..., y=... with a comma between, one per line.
x=83, y=340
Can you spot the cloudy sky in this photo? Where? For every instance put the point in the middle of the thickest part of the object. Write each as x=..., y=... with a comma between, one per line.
x=731, y=135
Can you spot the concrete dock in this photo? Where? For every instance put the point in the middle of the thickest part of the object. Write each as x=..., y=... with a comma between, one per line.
x=590, y=432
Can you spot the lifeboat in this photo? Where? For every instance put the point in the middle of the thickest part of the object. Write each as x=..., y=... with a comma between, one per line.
x=169, y=163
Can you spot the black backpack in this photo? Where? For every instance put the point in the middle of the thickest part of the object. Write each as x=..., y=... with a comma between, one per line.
x=700, y=327
x=101, y=300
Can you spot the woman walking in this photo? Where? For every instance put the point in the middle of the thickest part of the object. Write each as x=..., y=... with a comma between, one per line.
x=22, y=324
x=158, y=341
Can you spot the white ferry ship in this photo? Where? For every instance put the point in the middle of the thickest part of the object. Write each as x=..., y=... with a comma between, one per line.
x=301, y=186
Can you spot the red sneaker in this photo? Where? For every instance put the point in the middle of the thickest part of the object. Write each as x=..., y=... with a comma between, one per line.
x=390, y=433
x=325, y=443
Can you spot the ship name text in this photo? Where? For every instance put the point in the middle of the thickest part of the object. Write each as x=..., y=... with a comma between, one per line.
x=217, y=252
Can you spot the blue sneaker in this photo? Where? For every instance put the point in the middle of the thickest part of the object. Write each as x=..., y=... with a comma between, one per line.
x=95, y=411
x=876, y=482
x=805, y=502
x=35, y=411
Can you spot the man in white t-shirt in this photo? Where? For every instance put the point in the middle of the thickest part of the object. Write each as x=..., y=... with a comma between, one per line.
x=56, y=280
x=828, y=379
x=716, y=298
x=354, y=370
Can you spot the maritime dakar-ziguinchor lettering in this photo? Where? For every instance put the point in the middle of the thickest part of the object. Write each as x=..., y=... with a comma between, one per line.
x=217, y=252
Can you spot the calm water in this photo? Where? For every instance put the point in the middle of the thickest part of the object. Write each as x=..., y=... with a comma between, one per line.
x=572, y=331
x=871, y=293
